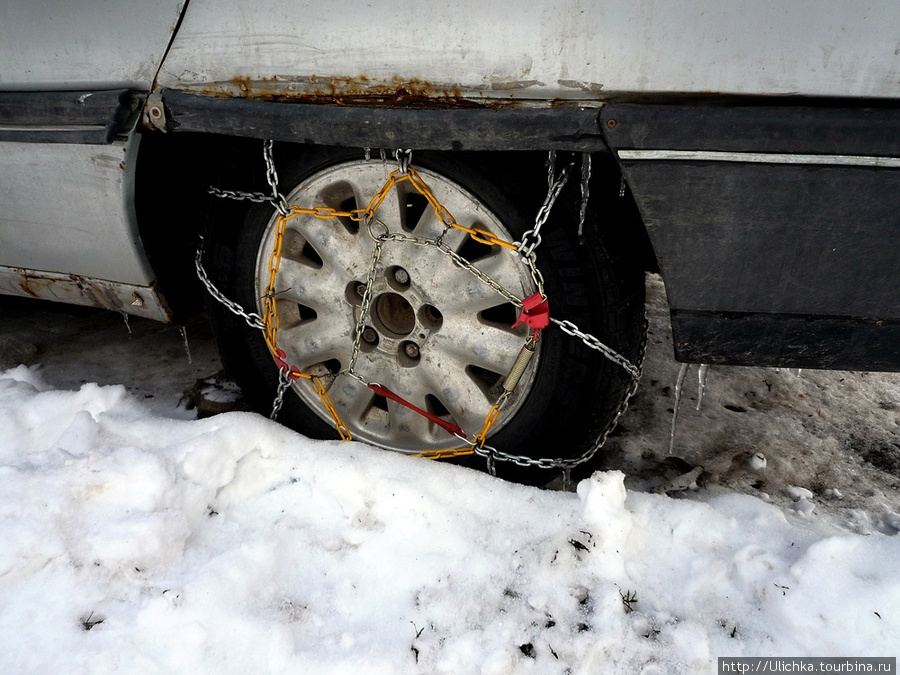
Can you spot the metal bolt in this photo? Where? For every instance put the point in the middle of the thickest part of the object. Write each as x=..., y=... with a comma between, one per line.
x=401, y=276
x=611, y=124
x=369, y=335
x=412, y=350
x=155, y=112
x=361, y=290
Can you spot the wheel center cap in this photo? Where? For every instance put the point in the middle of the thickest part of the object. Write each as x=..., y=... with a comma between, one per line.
x=394, y=315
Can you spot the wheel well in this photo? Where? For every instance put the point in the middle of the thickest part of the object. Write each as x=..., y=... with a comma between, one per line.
x=173, y=203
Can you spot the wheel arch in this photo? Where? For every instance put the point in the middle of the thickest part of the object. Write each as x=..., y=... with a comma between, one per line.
x=175, y=171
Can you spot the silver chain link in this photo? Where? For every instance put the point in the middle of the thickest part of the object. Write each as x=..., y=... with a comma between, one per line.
x=364, y=311
x=284, y=382
x=532, y=238
x=526, y=250
x=253, y=320
x=257, y=197
x=404, y=158
x=272, y=178
x=571, y=329
x=484, y=278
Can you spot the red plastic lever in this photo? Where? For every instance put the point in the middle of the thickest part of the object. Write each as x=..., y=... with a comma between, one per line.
x=535, y=312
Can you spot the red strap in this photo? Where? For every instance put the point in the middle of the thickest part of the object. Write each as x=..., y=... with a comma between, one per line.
x=535, y=312
x=449, y=427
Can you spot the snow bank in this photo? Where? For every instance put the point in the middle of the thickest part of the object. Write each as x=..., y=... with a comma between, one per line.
x=135, y=543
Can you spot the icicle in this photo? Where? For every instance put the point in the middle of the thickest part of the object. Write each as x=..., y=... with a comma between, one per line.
x=585, y=192
x=368, y=154
x=701, y=382
x=187, y=347
x=551, y=168
x=127, y=324
x=679, y=385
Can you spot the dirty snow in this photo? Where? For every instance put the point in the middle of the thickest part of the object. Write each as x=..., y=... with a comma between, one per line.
x=135, y=538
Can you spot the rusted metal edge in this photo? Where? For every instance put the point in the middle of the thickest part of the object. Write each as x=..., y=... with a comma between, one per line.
x=144, y=301
x=573, y=128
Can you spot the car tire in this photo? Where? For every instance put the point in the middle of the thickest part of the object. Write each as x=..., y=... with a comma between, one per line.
x=436, y=334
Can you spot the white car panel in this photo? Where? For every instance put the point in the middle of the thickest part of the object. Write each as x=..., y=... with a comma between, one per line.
x=83, y=44
x=71, y=208
x=571, y=49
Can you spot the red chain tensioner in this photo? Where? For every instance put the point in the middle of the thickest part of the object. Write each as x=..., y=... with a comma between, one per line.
x=535, y=313
x=449, y=427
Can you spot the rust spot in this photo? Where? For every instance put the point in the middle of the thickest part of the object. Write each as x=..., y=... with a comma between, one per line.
x=358, y=90
x=26, y=287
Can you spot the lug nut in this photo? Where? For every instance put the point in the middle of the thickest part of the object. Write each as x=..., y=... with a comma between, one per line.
x=401, y=276
x=369, y=335
x=412, y=350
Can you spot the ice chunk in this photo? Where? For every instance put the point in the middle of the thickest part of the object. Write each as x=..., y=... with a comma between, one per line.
x=758, y=461
x=797, y=493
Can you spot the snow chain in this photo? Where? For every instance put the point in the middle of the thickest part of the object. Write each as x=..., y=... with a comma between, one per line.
x=535, y=312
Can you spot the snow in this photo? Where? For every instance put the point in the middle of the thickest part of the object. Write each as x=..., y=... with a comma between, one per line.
x=135, y=538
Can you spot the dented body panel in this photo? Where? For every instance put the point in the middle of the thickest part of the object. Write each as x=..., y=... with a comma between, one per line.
x=70, y=208
x=350, y=51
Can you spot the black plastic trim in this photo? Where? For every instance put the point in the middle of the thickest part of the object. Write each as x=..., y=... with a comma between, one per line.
x=844, y=130
x=787, y=341
x=88, y=117
x=514, y=128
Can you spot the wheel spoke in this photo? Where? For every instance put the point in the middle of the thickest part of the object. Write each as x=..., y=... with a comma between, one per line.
x=316, y=341
x=413, y=428
x=343, y=253
x=351, y=398
x=478, y=345
x=466, y=402
x=317, y=288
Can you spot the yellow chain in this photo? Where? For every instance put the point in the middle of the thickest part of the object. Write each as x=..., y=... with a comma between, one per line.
x=272, y=323
x=492, y=416
x=270, y=311
x=445, y=454
x=329, y=406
